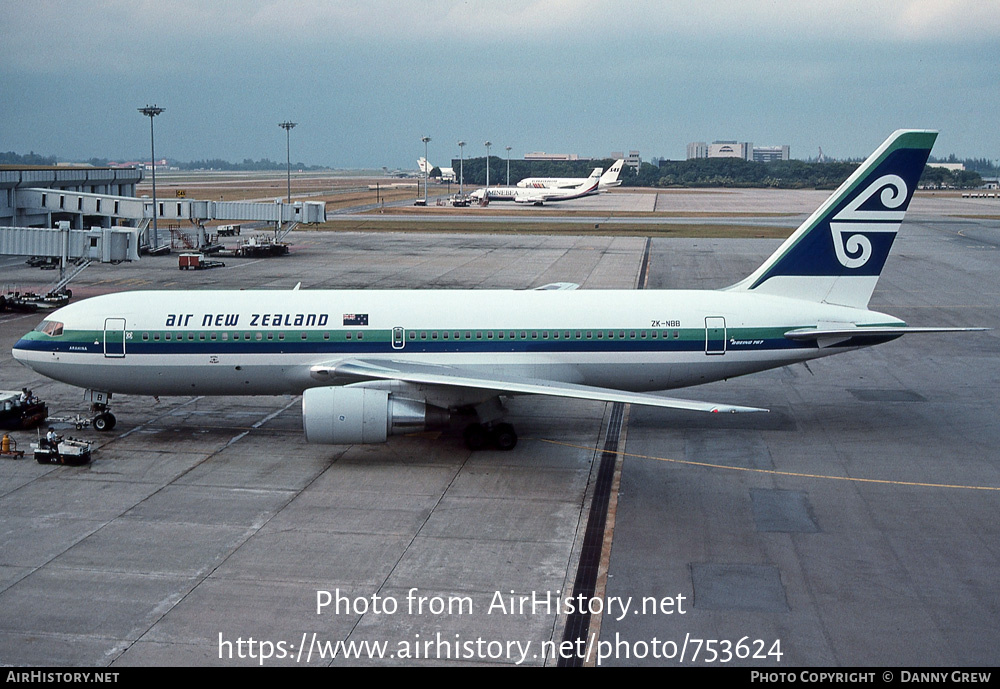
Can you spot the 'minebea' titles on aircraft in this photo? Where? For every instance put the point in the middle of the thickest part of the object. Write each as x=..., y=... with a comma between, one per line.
x=261, y=320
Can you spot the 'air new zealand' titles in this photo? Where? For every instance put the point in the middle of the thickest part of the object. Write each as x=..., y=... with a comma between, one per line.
x=402, y=361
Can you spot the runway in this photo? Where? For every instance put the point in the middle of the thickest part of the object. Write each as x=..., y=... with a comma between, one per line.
x=854, y=525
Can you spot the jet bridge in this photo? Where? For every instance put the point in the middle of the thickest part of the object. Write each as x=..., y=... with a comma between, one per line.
x=82, y=204
x=85, y=209
x=104, y=244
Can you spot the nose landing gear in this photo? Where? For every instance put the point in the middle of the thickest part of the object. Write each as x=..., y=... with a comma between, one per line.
x=100, y=403
x=104, y=421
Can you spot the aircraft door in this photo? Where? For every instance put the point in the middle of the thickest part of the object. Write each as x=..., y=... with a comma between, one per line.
x=715, y=335
x=398, y=340
x=114, y=338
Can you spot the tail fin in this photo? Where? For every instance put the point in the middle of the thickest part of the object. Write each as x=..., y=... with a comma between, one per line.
x=596, y=174
x=837, y=254
x=610, y=178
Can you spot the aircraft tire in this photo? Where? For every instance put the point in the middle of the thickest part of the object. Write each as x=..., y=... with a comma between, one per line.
x=476, y=437
x=104, y=422
x=504, y=437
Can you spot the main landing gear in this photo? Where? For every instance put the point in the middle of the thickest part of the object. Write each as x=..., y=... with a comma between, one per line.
x=480, y=436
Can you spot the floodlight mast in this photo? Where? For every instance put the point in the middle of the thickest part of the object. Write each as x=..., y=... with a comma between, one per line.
x=287, y=126
x=461, y=169
x=488, y=144
x=508, y=166
x=151, y=112
x=427, y=165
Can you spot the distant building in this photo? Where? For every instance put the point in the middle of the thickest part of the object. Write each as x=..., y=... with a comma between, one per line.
x=145, y=165
x=765, y=154
x=632, y=159
x=697, y=149
x=736, y=149
x=731, y=149
x=542, y=155
x=951, y=167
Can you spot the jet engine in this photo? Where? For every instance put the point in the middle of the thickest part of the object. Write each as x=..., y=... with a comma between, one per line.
x=349, y=415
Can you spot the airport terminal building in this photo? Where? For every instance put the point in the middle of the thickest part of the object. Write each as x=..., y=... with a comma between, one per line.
x=20, y=185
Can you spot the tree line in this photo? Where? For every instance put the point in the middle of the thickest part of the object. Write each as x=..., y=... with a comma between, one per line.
x=701, y=172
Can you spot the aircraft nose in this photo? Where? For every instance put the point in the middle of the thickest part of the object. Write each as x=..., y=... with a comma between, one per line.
x=21, y=352
x=17, y=352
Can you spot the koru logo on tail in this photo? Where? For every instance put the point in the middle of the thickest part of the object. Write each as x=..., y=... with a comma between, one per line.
x=850, y=242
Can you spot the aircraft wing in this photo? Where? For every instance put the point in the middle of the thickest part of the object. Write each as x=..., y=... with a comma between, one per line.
x=357, y=370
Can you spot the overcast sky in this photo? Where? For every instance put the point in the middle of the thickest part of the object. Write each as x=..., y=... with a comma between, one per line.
x=366, y=79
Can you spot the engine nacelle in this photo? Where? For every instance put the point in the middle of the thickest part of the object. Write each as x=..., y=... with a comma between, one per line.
x=349, y=415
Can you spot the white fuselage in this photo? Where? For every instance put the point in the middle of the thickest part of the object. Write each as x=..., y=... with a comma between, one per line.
x=265, y=342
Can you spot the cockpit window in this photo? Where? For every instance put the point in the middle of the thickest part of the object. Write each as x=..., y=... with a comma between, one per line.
x=50, y=328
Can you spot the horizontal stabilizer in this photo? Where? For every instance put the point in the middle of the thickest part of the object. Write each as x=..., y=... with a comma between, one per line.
x=803, y=334
x=425, y=374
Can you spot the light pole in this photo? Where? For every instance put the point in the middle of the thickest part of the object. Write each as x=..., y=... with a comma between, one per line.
x=508, y=166
x=287, y=126
x=488, y=144
x=152, y=112
x=461, y=169
x=427, y=165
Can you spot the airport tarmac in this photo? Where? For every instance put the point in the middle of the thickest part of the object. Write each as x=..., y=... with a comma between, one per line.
x=203, y=523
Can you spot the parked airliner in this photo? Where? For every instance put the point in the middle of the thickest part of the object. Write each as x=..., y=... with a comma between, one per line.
x=538, y=197
x=447, y=173
x=608, y=180
x=370, y=363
